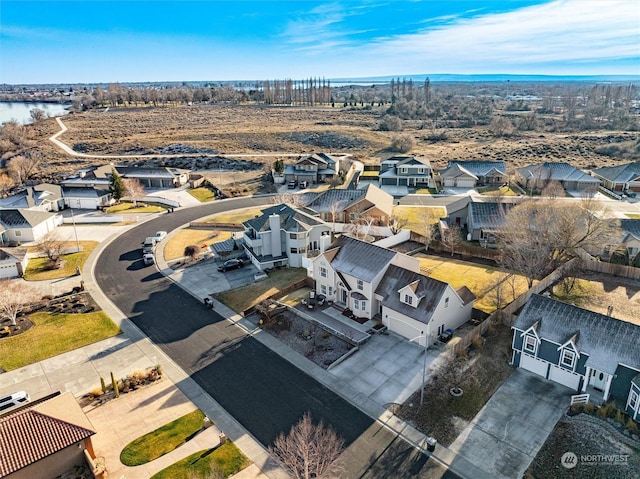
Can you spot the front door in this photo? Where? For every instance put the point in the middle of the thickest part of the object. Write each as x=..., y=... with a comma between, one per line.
x=598, y=380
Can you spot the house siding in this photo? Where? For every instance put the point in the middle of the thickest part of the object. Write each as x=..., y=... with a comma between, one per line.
x=634, y=414
x=621, y=382
x=549, y=352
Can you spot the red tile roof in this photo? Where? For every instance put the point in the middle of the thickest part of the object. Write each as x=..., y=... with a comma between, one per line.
x=28, y=436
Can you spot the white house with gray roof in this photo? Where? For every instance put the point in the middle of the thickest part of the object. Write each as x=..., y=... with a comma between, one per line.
x=472, y=173
x=536, y=177
x=42, y=197
x=25, y=225
x=87, y=197
x=585, y=351
x=620, y=178
x=373, y=281
x=283, y=236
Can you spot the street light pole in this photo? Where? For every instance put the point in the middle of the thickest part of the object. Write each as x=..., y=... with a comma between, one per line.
x=75, y=232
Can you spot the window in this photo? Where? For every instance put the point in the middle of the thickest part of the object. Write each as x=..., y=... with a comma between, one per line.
x=294, y=250
x=633, y=399
x=18, y=233
x=446, y=302
x=302, y=250
x=323, y=272
x=360, y=285
x=408, y=299
x=323, y=289
x=567, y=358
x=363, y=305
x=330, y=290
x=530, y=344
x=356, y=303
x=293, y=236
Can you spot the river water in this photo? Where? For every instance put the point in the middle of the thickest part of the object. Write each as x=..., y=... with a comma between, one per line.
x=20, y=111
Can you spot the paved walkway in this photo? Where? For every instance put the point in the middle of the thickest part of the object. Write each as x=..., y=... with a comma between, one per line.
x=126, y=418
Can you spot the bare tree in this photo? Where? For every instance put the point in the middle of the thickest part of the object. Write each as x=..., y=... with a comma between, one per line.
x=403, y=143
x=14, y=296
x=52, y=247
x=553, y=189
x=6, y=183
x=396, y=223
x=428, y=226
x=22, y=167
x=452, y=238
x=309, y=450
x=290, y=199
x=134, y=190
x=37, y=114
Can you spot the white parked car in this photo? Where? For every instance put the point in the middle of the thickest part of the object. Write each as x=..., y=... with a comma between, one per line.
x=148, y=258
x=160, y=235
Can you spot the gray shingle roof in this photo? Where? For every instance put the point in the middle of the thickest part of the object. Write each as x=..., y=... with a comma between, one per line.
x=323, y=202
x=620, y=173
x=488, y=216
x=607, y=341
x=428, y=289
x=84, y=192
x=631, y=227
x=558, y=171
x=18, y=218
x=290, y=219
x=479, y=167
x=360, y=259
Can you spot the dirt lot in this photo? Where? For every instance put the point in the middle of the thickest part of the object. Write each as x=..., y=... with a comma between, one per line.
x=586, y=436
x=268, y=131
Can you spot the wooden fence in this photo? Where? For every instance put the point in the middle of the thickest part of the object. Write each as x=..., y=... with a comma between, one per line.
x=612, y=269
x=216, y=226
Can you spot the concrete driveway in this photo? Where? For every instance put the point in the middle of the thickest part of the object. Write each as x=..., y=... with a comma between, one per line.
x=508, y=432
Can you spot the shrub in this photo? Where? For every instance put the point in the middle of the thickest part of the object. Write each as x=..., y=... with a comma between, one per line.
x=477, y=341
x=403, y=143
x=589, y=408
x=631, y=426
x=391, y=123
x=192, y=252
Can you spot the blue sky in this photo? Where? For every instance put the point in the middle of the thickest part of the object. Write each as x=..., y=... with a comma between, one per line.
x=129, y=41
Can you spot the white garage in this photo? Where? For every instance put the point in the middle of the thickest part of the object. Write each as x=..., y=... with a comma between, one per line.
x=533, y=364
x=564, y=377
x=465, y=182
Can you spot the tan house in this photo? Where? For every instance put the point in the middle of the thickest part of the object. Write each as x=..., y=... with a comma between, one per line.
x=344, y=206
x=45, y=440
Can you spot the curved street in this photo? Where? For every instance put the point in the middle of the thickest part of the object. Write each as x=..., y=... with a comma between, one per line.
x=261, y=390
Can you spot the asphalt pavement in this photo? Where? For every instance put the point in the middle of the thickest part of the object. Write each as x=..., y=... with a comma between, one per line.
x=263, y=390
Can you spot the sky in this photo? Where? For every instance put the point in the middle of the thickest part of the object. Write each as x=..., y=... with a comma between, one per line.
x=146, y=41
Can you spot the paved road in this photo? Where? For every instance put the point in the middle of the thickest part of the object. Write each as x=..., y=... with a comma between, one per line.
x=264, y=392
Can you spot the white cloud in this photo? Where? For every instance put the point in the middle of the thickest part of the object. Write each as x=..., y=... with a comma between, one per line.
x=560, y=31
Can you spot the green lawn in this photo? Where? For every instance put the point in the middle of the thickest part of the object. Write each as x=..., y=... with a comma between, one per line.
x=54, y=334
x=37, y=268
x=235, y=216
x=163, y=440
x=414, y=215
x=479, y=279
x=202, y=194
x=497, y=191
x=241, y=299
x=127, y=207
x=227, y=458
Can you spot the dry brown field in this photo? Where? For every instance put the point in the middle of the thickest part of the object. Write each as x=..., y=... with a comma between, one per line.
x=268, y=132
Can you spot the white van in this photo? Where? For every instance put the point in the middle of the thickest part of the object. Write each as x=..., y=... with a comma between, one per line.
x=7, y=403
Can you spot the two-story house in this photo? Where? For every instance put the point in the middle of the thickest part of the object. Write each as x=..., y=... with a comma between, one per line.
x=42, y=197
x=315, y=168
x=585, y=351
x=406, y=171
x=283, y=236
x=373, y=281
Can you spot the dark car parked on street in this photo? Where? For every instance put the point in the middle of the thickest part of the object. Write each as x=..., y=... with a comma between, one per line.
x=230, y=264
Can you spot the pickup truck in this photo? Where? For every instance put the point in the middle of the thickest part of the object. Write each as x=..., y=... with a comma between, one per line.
x=148, y=245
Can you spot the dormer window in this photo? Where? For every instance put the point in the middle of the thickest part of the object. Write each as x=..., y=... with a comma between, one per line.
x=323, y=272
x=568, y=358
x=408, y=299
x=530, y=344
x=360, y=285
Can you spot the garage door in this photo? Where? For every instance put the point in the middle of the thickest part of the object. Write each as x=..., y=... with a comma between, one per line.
x=465, y=183
x=534, y=365
x=449, y=182
x=8, y=271
x=562, y=376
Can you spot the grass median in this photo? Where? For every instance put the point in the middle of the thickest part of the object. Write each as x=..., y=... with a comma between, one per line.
x=163, y=440
x=226, y=459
